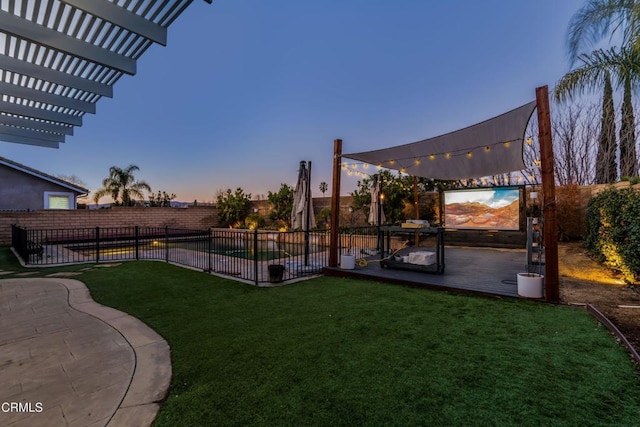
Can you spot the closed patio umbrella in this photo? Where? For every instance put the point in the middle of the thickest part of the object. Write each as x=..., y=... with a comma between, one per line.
x=302, y=217
x=375, y=204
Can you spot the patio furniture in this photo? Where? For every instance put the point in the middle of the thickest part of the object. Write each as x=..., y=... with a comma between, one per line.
x=427, y=259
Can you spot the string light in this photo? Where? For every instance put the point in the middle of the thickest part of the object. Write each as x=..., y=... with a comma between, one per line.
x=447, y=155
x=529, y=141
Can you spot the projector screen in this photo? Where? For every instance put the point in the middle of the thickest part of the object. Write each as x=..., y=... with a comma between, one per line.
x=483, y=208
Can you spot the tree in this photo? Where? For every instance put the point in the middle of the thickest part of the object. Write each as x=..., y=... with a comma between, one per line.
x=601, y=19
x=122, y=186
x=323, y=188
x=281, y=204
x=233, y=207
x=575, y=135
x=606, y=168
x=398, y=195
x=596, y=21
x=161, y=199
x=628, y=155
x=72, y=179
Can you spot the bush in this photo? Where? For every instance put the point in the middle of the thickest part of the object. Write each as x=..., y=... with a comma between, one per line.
x=234, y=207
x=613, y=230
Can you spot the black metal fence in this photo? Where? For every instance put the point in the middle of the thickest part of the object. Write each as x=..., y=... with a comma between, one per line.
x=258, y=256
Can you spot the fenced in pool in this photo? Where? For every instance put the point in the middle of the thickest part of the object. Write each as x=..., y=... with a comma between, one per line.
x=258, y=256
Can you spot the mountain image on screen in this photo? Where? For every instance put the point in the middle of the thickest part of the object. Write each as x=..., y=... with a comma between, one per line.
x=480, y=215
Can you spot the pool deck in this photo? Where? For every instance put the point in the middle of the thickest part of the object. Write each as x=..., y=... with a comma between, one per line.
x=484, y=271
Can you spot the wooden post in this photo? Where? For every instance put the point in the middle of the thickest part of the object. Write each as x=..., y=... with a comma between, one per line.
x=334, y=240
x=416, y=198
x=416, y=208
x=551, y=279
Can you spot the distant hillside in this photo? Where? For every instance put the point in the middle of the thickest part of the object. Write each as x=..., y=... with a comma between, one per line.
x=477, y=215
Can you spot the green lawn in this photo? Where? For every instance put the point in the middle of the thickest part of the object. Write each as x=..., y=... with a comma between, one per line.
x=345, y=352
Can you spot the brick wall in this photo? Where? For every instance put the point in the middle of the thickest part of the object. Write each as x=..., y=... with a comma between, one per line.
x=199, y=217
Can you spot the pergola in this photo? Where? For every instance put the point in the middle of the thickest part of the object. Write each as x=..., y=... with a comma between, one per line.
x=59, y=57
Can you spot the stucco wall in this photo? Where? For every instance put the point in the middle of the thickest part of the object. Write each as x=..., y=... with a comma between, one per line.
x=20, y=191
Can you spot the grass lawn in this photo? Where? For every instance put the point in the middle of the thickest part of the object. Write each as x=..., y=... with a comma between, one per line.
x=345, y=352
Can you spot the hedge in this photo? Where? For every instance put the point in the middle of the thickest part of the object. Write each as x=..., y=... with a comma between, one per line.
x=613, y=230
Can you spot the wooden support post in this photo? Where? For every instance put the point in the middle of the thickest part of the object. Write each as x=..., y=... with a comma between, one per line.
x=334, y=240
x=551, y=279
x=416, y=208
x=416, y=198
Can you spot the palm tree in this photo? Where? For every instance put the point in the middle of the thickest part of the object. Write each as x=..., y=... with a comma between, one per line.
x=323, y=188
x=594, y=22
x=122, y=186
x=596, y=72
x=600, y=19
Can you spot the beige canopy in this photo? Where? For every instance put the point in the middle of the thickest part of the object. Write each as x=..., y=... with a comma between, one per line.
x=488, y=148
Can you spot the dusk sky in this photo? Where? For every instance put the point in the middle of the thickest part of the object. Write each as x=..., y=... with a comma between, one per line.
x=246, y=89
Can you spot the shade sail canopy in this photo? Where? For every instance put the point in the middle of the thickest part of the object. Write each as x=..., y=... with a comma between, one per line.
x=488, y=148
x=59, y=57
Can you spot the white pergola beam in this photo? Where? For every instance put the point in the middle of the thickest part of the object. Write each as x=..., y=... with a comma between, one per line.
x=28, y=141
x=123, y=18
x=47, y=98
x=30, y=133
x=58, y=77
x=36, y=125
x=39, y=113
x=25, y=29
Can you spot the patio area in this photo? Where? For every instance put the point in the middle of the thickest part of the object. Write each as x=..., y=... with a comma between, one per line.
x=470, y=270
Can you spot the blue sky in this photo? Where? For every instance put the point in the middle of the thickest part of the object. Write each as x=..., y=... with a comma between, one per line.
x=246, y=89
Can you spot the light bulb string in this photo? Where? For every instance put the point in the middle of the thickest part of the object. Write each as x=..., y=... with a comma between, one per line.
x=417, y=160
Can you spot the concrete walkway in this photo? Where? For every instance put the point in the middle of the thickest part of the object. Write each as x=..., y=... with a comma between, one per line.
x=67, y=361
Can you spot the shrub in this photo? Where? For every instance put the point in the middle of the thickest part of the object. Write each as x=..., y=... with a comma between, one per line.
x=613, y=230
x=234, y=207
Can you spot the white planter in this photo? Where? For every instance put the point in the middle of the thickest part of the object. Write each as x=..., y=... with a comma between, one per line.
x=347, y=262
x=530, y=285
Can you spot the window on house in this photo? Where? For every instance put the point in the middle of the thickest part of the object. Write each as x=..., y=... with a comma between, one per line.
x=58, y=200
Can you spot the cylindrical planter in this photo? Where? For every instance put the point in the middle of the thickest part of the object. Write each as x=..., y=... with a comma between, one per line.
x=347, y=262
x=276, y=273
x=530, y=285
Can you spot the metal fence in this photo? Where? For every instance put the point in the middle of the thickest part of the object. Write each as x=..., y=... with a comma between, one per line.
x=258, y=256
